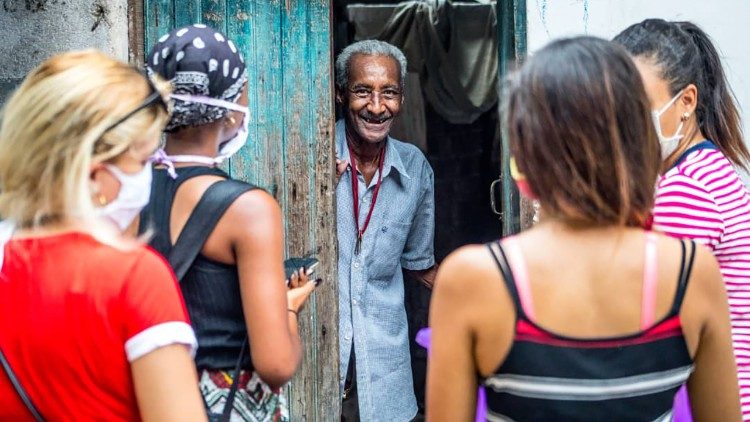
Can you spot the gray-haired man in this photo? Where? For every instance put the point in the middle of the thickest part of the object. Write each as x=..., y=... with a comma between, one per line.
x=385, y=222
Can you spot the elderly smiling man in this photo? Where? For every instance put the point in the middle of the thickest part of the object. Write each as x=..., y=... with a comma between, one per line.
x=385, y=223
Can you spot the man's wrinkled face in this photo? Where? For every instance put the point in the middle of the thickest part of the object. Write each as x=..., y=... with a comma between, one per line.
x=373, y=97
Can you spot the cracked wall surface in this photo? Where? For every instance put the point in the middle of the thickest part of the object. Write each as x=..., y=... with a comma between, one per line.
x=33, y=30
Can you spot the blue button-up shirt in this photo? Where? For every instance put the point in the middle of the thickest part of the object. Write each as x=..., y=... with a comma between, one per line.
x=371, y=285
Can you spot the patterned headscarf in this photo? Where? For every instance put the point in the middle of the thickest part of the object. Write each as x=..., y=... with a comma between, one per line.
x=200, y=61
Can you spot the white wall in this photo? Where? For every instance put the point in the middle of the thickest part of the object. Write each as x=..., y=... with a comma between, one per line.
x=726, y=21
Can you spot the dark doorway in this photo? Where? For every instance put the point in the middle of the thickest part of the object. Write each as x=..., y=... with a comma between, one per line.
x=464, y=156
x=463, y=150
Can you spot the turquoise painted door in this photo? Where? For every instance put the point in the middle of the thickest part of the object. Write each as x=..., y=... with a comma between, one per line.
x=287, y=46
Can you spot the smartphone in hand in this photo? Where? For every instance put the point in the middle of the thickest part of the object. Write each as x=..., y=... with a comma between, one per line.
x=291, y=265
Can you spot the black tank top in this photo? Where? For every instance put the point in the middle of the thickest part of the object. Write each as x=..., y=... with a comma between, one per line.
x=211, y=289
x=550, y=377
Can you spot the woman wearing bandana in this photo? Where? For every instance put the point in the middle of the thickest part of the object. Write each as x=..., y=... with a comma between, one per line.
x=234, y=284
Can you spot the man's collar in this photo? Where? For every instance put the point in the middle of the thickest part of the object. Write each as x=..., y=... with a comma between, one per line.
x=392, y=156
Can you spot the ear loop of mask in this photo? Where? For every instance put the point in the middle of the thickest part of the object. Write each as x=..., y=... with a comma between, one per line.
x=657, y=122
x=669, y=103
x=210, y=101
x=133, y=195
x=668, y=144
x=161, y=157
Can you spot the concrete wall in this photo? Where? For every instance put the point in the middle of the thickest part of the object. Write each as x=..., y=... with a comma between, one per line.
x=33, y=30
x=724, y=20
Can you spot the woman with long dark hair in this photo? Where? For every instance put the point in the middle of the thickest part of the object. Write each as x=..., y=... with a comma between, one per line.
x=700, y=195
x=586, y=316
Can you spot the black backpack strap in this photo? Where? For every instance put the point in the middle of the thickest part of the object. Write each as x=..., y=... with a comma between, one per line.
x=229, y=404
x=226, y=413
x=202, y=221
x=159, y=209
x=19, y=389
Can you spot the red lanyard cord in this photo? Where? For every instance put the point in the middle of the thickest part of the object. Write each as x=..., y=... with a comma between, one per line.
x=355, y=196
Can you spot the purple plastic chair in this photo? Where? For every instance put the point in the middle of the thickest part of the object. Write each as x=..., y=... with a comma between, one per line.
x=424, y=339
x=681, y=411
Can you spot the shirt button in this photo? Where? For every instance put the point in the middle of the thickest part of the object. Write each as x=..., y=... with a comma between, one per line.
x=347, y=337
x=356, y=264
x=354, y=301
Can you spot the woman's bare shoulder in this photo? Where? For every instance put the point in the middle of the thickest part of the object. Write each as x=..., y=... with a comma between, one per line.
x=254, y=207
x=468, y=271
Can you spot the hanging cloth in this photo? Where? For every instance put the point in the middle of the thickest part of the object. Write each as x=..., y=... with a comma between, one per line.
x=452, y=46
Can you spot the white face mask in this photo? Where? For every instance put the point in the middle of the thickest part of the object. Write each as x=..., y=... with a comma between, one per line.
x=668, y=144
x=135, y=192
x=239, y=140
x=230, y=147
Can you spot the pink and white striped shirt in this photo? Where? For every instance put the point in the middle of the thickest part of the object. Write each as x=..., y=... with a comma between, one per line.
x=703, y=198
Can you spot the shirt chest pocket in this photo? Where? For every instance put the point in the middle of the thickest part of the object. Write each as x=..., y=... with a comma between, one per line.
x=385, y=260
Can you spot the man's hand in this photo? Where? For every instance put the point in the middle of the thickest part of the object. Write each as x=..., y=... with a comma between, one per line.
x=341, y=166
x=426, y=277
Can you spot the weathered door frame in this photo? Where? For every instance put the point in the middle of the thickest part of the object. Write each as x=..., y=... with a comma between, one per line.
x=517, y=212
x=287, y=45
x=292, y=147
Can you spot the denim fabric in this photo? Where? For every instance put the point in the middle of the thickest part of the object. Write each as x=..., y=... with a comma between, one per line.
x=371, y=287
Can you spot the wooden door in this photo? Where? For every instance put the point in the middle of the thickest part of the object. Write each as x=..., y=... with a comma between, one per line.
x=287, y=48
x=517, y=212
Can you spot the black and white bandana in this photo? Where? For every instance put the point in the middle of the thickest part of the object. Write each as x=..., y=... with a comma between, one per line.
x=198, y=60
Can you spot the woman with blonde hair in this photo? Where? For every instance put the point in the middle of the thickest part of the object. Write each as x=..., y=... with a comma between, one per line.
x=92, y=324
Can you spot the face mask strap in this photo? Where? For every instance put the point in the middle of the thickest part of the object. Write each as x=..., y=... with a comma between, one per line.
x=210, y=101
x=119, y=174
x=160, y=157
x=669, y=104
x=677, y=131
x=122, y=176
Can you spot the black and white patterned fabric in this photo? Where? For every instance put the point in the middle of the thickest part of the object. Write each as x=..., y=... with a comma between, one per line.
x=200, y=61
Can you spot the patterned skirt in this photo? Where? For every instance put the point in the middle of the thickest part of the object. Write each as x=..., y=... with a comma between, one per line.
x=255, y=401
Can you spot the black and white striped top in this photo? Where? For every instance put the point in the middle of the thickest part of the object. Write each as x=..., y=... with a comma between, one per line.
x=547, y=376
